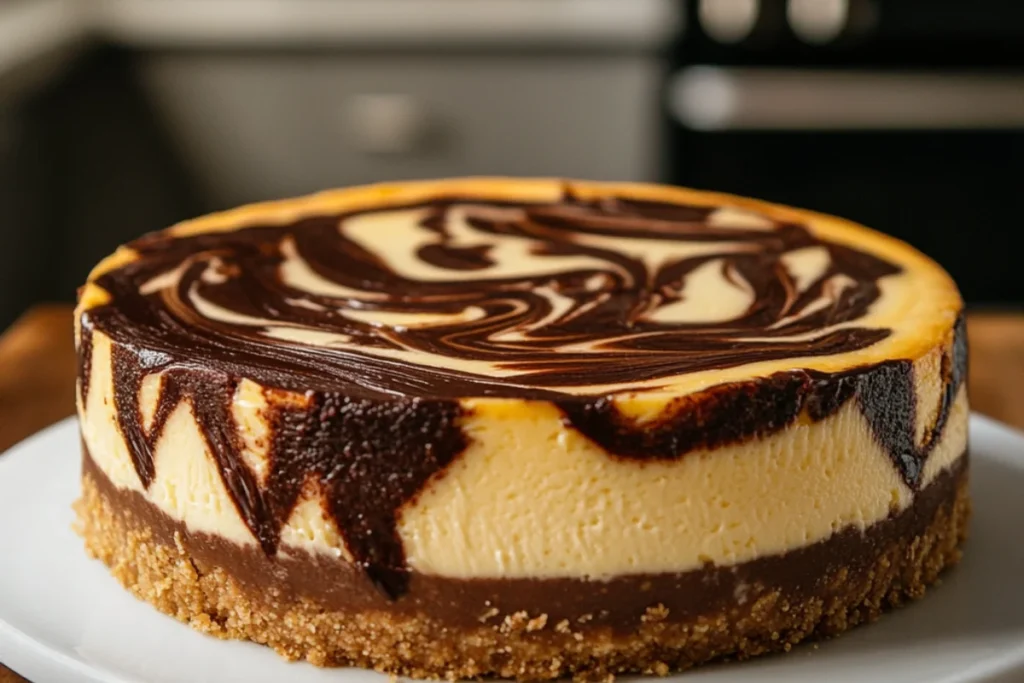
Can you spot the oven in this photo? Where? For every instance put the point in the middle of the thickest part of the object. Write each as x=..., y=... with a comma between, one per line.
x=904, y=115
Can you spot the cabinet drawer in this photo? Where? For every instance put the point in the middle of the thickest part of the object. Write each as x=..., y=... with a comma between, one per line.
x=253, y=126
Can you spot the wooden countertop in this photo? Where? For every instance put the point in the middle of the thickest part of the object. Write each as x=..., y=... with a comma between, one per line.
x=37, y=375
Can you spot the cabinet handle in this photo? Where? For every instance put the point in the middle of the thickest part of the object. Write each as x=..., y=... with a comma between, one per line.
x=385, y=123
x=711, y=98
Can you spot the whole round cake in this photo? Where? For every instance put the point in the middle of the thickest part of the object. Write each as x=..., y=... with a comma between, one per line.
x=522, y=428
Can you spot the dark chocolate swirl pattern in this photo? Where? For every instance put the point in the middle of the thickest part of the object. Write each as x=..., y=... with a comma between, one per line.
x=383, y=319
x=456, y=299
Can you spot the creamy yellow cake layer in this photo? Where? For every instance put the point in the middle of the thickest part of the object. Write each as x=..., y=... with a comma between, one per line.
x=490, y=515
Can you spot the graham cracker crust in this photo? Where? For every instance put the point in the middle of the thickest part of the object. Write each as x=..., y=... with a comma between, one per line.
x=520, y=645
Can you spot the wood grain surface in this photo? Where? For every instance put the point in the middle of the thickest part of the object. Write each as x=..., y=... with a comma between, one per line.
x=37, y=375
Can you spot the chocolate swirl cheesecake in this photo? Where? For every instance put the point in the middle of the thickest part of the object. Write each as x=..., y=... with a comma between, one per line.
x=522, y=428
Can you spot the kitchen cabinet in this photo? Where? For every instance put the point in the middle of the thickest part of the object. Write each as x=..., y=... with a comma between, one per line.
x=268, y=125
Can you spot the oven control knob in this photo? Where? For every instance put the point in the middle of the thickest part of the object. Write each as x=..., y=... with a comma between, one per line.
x=821, y=22
x=728, y=21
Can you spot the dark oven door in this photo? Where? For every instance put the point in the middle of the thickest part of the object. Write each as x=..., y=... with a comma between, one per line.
x=933, y=157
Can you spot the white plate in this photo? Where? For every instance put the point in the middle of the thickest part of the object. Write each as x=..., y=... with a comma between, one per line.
x=64, y=619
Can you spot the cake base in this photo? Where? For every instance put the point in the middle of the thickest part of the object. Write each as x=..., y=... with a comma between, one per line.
x=212, y=600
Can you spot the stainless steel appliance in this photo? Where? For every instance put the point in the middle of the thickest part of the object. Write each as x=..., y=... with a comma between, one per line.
x=906, y=115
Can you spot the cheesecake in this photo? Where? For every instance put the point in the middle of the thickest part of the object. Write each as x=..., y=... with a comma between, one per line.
x=522, y=428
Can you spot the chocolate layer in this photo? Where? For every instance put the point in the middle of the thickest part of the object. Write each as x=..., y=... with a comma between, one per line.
x=622, y=603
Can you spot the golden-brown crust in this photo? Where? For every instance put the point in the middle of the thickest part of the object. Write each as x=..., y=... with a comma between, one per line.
x=212, y=601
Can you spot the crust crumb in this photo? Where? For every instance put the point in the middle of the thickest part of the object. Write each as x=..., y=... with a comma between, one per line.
x=537, y=623
x=655, y=614
x=514, y=623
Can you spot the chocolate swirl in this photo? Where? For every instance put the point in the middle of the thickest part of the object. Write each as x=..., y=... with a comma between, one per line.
x=383, y=319
x=474, y=298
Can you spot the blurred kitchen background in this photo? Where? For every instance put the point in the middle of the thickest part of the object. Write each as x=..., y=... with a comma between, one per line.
x=122, y=116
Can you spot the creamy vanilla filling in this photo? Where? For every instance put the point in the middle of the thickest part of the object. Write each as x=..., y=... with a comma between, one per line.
x=530, y=498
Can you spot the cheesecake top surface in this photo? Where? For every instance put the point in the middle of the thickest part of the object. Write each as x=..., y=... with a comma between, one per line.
x=502, y=288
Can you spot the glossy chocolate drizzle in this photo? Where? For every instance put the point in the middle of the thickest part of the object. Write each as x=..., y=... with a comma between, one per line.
x=607, y=335
x=208, y=310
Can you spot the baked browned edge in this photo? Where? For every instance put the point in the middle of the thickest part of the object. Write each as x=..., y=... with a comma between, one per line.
x=815, y=592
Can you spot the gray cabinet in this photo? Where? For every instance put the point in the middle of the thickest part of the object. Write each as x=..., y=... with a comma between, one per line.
x=252, y=126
